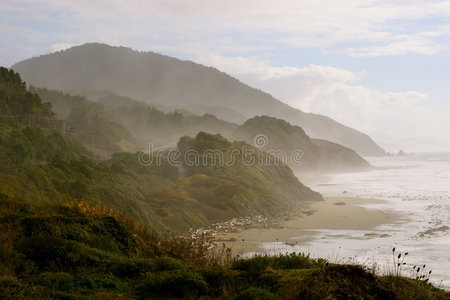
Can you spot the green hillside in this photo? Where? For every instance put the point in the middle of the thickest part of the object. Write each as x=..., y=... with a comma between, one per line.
x=89, y=123
x=88, y=252
x=114, y=123
x=39, y=164
x=315, y=155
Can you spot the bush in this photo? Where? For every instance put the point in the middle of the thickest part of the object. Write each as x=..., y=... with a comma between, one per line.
x=130, y=267
x=68, y=286
x=101, y=282
x=179, y=283
x=136, y=267
x=53, y=254
x=12, y=288
x=220, y=279
x=260, y=263
x=254, y=293
x=166, y=264
x=59, y=281
x=23, y=265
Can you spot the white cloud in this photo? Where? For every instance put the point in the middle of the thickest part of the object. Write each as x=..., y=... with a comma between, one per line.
x=222, y=26
x=406, y=44
x=260, y=69
x=394, y=119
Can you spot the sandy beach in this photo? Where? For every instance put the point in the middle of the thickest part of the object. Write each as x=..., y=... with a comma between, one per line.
x=334, y=213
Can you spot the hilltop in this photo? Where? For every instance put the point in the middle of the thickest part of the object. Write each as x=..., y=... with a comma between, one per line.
x=316, y=155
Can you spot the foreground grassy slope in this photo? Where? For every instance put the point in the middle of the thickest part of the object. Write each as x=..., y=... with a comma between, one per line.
x=79, y=251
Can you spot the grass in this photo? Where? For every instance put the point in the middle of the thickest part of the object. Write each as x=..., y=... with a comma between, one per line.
x=67, y=251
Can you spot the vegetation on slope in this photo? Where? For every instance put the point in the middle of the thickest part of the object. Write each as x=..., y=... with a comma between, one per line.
x=105, y=126
x=112, y=122
x=155, y=78
x=261, y=183
x=79, y=251
x=40, y=164
x=89, y=123
x=317, y=155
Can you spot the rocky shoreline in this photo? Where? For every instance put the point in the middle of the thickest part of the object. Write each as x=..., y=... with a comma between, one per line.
x=236, y=224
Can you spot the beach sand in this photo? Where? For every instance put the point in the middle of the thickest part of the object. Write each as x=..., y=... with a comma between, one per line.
x=335, y=213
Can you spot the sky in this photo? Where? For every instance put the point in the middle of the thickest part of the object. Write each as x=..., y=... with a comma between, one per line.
x=381, y=67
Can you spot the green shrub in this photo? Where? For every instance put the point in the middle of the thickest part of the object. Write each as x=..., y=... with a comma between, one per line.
x=101, y=282
x=23, y=265
x=67, y=286
x=179, y=283
x=59, y=281
x=166, y=263
x=130, y=267
x=260, y=263
x=53, y=254
x=254, y=293
x=12, y=288
x=296, y=261
x=220, y=279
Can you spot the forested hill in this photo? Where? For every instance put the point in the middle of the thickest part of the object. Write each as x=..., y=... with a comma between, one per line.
x=316, y=155
x=111, y=123
x=155, y=78
x=38, y=163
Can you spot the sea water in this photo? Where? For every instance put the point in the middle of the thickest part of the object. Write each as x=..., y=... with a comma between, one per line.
x=415, y=186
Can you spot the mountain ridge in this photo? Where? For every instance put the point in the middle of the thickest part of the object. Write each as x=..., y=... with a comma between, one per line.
x=152, y=77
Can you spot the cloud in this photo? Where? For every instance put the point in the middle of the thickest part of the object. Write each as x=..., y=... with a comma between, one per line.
x=243, y=29
x=260, y=69
x=418, y=44
x=227, y=26
x=394, y=119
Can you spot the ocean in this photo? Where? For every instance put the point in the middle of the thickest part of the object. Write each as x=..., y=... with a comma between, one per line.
x=417, y=187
